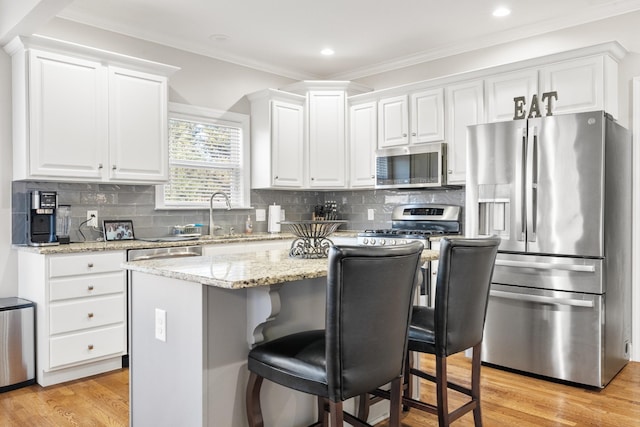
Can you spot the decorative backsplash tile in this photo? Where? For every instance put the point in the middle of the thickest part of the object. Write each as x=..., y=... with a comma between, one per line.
x=137, y=203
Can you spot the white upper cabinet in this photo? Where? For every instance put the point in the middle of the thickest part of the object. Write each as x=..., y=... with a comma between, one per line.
x=501, y=90
x=79, y=117
x=138, y=139
x=277, y=139
x=465, y=107
x=393, y=121
x=586, y=84
x=327, y=149
x=413, y=119
x=362, y=143
x=66, y=123
x=427, y=116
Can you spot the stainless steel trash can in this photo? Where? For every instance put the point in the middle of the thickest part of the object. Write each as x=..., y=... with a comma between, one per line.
x=17, y=343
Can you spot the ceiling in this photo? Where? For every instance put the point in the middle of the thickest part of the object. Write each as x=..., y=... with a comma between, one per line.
x=368, y=36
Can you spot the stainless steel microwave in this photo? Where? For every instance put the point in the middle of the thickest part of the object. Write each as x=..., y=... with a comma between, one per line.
x=415, y=166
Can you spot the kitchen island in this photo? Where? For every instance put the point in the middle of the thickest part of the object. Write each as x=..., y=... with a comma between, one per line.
x=192, y=325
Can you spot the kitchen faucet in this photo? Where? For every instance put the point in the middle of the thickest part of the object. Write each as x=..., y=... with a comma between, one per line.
x=212, y=229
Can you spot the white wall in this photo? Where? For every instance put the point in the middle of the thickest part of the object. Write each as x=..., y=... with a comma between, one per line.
x=8, y=259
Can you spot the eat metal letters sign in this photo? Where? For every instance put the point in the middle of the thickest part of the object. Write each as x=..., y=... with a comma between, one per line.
x=520, y=112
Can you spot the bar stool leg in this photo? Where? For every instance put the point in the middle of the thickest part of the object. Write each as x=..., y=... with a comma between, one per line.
x=254, y=411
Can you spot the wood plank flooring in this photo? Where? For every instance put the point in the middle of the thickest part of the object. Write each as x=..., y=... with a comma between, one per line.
x=509, y=400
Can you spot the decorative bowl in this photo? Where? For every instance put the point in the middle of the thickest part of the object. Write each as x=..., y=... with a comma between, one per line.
x=311, y=236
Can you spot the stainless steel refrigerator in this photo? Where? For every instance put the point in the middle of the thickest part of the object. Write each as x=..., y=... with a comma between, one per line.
x=557, y=190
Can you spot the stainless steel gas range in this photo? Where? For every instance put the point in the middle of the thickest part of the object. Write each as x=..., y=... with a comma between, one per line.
x=418, y=222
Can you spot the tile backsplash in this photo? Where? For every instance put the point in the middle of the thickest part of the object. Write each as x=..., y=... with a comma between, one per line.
x=137, y=203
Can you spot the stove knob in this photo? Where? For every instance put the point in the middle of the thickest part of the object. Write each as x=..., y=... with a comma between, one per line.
x=393, y=242
x=383, y=242
x=373, y=241
x=365, y=241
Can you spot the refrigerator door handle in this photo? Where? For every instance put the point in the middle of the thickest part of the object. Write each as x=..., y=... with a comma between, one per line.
x=519, y=185
x=546, y=266
x=531, y=181
x=542, y=299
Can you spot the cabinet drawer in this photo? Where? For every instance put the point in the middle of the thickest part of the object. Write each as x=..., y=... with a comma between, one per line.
x=86, y=346
x=86, y=286
x=73, y=265
x=87, y=313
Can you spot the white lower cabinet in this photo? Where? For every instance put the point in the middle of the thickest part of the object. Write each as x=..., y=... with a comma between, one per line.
x=80, y=312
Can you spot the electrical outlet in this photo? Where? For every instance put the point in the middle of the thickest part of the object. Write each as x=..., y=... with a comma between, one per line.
x=161, y=325
x=370, y=214
x=261, y=215
x=92, y=216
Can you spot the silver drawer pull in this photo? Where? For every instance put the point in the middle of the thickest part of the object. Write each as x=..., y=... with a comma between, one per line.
x=90, y=287
x=90, y=315
x=547, y=266
x=542, y=299
x=90, y=347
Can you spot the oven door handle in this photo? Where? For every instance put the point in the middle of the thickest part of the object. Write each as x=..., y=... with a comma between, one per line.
x=546, y=266
x=541, y=299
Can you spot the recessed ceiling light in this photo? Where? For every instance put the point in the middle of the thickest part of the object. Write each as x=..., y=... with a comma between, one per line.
x=219, y=37
x=501, y=11
x=327, y=51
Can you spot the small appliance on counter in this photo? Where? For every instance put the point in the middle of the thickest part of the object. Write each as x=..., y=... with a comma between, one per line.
x=41, y=218
x=63, y=224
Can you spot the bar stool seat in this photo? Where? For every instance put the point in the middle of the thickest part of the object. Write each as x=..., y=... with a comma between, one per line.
x=363, y=345
x=453, y=325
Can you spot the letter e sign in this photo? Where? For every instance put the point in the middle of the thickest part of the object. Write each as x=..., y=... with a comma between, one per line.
x=520, y=101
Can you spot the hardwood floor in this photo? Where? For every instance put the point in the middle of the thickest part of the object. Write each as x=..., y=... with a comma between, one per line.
x=102, y=400
x=508, y=400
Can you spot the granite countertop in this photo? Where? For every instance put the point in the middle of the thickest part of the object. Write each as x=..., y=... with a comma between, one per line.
x=144, y=244
x=244, y=270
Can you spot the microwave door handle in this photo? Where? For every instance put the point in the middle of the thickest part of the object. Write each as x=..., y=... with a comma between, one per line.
x=519, y=184
x=531, y=182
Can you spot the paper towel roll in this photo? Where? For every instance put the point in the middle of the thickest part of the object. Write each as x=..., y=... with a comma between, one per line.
x=274, y=219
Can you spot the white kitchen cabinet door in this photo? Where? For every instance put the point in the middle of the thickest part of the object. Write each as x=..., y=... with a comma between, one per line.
x=362, y=143
x=465, y=106
x=277, y=139
x=501, y=89
x=427, y=116
x=393, y=121
x=287, y=144
x=327, y=150
x=138, y=140
x=67, y=120
x=582, y=85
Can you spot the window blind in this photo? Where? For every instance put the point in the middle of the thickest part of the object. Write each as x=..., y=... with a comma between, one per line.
x=204, y=158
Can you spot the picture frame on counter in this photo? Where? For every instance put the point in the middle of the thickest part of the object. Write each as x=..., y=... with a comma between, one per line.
x=120, y=229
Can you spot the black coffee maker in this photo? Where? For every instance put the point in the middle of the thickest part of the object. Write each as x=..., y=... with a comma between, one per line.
x=41, y=221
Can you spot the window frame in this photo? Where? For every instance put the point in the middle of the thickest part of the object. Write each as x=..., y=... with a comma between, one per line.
x=216, y=117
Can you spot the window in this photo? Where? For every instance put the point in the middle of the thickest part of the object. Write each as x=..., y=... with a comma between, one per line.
x=208, y=152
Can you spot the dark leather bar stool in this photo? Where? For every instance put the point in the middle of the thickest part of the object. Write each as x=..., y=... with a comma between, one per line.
x=364, y=343
x=455, y=324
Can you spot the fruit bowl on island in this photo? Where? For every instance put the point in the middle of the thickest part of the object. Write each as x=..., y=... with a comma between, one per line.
x=311, y=241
